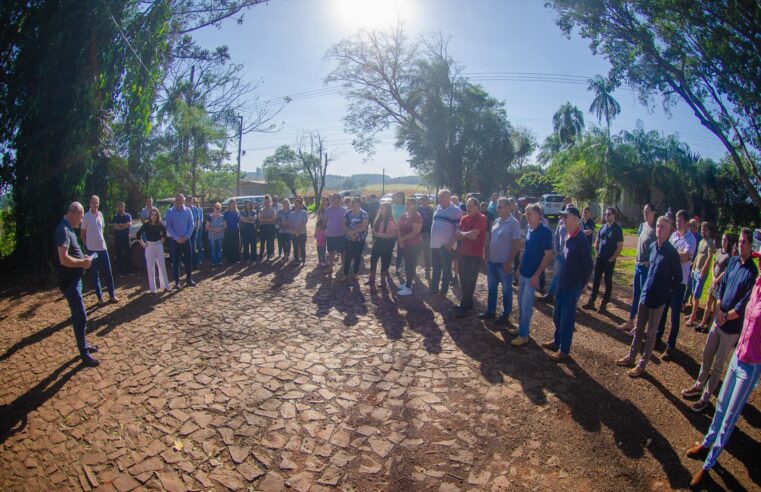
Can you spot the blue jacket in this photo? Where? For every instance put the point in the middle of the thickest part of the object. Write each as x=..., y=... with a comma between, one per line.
x=663, y=276
x=578, y=261
x=734, y=290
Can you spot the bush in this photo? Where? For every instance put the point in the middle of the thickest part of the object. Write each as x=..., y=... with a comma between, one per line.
x=7, y=232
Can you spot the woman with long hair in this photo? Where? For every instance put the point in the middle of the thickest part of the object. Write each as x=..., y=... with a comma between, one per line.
x=267, y=216
x=320, y=236
x=151, y=236
x=248, y=231
x=231, y=245
x=384, y=239
x=409, y=242
x=719, y=267
x=355, y=225
x=215, y=228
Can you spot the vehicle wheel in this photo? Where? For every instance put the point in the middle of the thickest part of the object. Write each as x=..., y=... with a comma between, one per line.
x=137, y=256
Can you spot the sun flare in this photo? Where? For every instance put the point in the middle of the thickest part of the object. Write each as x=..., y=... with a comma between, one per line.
x=372, y=14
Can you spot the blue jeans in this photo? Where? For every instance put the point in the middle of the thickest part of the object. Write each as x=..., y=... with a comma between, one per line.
x=102, y=261
x=198, y=247
x=675, y=304
x=495, y=275
x=216, y=251
x=526, y=303
x=739, y=381
x=441, y=259
x=564, y=317
x=181, y=252
x=557, y=269
x=640, y=274
x=73, y=295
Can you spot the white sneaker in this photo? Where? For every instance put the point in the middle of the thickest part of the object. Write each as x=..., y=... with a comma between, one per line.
x=404, y=291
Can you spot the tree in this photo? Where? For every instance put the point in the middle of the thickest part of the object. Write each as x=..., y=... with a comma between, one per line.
x=702, y=52
x=604, y=105
x=568, y=124
x=284, y=166
x=348, y=183
x=313, y=156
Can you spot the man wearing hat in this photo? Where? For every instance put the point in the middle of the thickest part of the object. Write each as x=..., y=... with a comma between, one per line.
x=573, y=277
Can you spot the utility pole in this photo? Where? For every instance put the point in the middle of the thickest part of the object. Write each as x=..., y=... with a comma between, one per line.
x=383, y=183
x=240, y=139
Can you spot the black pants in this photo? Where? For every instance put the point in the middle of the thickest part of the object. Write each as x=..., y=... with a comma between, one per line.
x=248, y=240
x=399, y=257
x=469, y=267
x=321, y=253
x=231, y=245
x=410, y=263
x=181, y=252
x=267, y=238
x=354, y=251
x=299, y=247
x=603, y=267
x=122, y=255
x=383, y=248
x=284, y=244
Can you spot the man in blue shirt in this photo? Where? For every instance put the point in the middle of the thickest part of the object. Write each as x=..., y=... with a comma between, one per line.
x=572, y=278
x=664, y=275
x=608, y=245
x=537, y=254
x=196, y=243
x=179, y=228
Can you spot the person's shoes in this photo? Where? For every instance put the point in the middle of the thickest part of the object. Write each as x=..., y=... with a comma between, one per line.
x=698, y=479
x=519, y=341
x=667, y=354
x=176, y=285
x=603, y=308
x=503, y=320
x=692, y=391
x=513, y=331
x=547, y=298
x=697, y=452
x=101, y=302
x=515, y=283
x=635, y=372
x=550, y=345
x=557, y=356
x=627, y=325
x=91, y=349
x=404, y=291
x=190, y=283
x=460, y=312
x=625, y=362
x=690, y=322
x=89, y=361
x=699, y=406
x=486, y=315
x=370, y=280
x=703, y=328
x=589, y=306
x=114, y=300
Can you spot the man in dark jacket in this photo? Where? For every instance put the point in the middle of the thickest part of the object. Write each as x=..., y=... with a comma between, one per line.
x=573, y=277
x=663, y=277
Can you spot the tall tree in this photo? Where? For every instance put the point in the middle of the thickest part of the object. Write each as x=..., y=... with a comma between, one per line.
x=604, y=105
x=283, y=166
x=568, y=124
x=703, y=52
x=312, y=153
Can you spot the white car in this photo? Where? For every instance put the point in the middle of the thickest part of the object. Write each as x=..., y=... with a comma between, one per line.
x=552, y=204
x=387, y=198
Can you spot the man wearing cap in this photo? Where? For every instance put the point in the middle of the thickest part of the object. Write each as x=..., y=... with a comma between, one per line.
x=573, y=277
x=608, y=245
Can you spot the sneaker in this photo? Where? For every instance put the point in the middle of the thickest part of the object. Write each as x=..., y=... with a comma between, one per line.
x=603, y=308
x=486, y=315
x=404, y=291
x=550, y=345
x=546, y=298
x=190, y=283
x=667, y=354
x=114, y=300
x=513, y=331
x=519, y=341
x=625, y=362
x=503, y=320
x=557, y=356
x=635, y=372
x=699, y=406
x=89, y=361
x=589, y=306
x=693, y=391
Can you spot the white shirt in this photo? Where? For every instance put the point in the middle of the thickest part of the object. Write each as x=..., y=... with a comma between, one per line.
x=686, y=243
x=93, y=225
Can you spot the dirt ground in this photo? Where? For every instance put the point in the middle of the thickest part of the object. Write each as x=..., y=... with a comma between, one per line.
x=273, y=376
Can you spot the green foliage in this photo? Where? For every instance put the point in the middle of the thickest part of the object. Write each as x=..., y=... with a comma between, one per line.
x=532, y=183
x=604, y=105
x=568, y=124
x=7, y=232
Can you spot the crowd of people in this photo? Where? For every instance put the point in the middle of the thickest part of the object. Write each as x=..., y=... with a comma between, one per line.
x=676, y=257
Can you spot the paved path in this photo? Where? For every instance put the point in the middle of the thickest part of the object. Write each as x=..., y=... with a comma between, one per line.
x=268, y=377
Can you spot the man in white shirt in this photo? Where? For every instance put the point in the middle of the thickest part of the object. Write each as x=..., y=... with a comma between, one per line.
x=92, y=233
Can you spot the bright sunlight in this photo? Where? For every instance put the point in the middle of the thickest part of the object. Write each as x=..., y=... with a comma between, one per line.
x=370, y=14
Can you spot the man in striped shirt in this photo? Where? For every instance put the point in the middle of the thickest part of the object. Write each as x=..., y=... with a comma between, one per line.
x=446, y=218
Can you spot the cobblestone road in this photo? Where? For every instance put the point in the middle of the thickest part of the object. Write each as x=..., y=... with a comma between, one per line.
x=269, y=377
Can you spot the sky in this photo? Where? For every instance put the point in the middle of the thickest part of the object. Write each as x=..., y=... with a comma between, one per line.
x=282, y=46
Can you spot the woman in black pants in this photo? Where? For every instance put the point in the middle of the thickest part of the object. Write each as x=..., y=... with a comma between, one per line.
x=248, y=231
x=267, y=217
x=410, y=240
x=355, y=225
x=384, y=239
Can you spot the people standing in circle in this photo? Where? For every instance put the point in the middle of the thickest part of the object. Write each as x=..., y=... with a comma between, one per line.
x=231, y=243
x=446, y=218
x=197, y=239
x=472, y=234
x=355, y=229
x=426, y=212
x=283, y=230
x=384, y=239
x=122, y=221
x=645, y=238
x=215, y=229
x=248, y=231
x=72, y=264
x=320, y=237
x=92, y=236
x=409, y=241
x=267, y=216
x=504, y=243
x=151, y=236
x=179, y=227
x=297, y=222
x=145, y=213
x=608, y=245
x=334, y=229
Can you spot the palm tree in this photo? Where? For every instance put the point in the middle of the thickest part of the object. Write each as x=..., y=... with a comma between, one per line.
x=568, y=123
x=604, y=105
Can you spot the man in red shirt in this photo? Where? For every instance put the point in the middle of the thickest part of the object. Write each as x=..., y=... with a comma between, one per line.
x=472, y=235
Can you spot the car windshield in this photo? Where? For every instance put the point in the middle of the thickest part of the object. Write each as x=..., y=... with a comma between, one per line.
x=553, y=198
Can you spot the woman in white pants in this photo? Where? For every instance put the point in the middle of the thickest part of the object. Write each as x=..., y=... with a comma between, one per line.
x=154, y=233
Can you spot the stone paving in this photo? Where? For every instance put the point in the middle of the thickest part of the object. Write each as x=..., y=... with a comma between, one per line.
x=270, y=377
